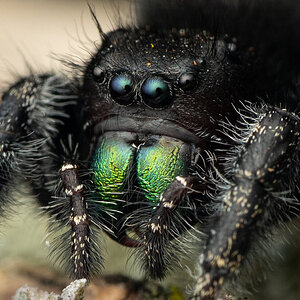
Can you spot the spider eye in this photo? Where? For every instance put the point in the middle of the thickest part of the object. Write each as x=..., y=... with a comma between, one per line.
x=187, y=81
x=121, y=89
x=99, y=75
x=156, y=92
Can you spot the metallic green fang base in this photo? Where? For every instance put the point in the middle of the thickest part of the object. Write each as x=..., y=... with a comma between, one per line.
x=158, y=165
x=155, y=164
x=111, y=164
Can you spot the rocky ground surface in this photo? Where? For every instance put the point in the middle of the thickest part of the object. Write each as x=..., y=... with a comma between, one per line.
x=19, y=281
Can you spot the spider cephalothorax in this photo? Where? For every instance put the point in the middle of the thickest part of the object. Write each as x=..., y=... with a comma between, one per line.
x=153, y=109
x=165, y=130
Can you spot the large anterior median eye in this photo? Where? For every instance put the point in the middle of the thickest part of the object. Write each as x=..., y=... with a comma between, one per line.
x=156, y=92
x=121, y=89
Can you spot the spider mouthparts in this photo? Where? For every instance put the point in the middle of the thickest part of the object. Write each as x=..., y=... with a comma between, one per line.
x=145, y=126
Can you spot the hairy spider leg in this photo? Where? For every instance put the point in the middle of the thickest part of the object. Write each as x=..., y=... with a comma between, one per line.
x=267, y=164
x=28, y=113
x=79, y=221
x=37, y=137
x=161, y=227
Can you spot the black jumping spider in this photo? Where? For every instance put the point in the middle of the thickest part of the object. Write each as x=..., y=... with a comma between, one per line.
x=189, y=120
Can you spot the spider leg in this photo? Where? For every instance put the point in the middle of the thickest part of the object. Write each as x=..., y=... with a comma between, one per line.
x=8, y=164
x=79, y=220
x=38, y=143
x=25, y=125
x=267, y=164
x=157, y=234
x=162, y=227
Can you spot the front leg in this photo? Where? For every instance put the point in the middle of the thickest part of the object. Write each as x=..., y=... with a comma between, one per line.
x=267, y=163
x=162, y=227
x=40, y=132
x=84, y=256
x=29, y=118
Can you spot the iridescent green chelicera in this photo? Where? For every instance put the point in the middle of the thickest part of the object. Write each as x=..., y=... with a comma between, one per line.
x=158, y=165
x=154, y=165
x=111, y=164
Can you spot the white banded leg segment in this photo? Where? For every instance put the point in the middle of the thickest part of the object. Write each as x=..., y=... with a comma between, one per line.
x=161, y=228
x=80, y=240
x=263, y=170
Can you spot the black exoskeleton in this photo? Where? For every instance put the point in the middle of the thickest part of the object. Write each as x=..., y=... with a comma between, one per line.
x=188, y=121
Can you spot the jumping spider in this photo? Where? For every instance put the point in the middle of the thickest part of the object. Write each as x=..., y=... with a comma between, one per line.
x=188, y=121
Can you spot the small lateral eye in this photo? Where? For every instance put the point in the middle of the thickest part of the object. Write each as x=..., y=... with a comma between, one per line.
x=187, y=81
x=121, y=89
x=99, y=75
x=156, y=92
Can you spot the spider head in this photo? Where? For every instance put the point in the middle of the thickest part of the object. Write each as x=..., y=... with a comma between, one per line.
x=189, y=78
x=153, y=102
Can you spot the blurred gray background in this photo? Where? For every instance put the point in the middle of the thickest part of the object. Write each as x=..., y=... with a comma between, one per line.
x=35, y=28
